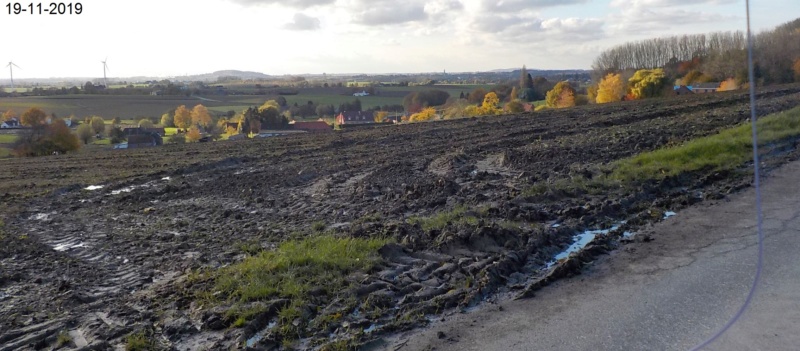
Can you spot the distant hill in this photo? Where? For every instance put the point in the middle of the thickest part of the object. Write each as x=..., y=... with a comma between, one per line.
x=212, y=77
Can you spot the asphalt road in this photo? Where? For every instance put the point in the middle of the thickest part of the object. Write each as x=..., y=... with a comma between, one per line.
x=669, y=294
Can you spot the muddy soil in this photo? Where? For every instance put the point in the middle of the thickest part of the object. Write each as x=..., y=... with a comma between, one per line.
x=104, y=263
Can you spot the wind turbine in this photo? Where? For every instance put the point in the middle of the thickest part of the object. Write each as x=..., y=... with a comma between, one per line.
x=11, y=66
x=105, y=67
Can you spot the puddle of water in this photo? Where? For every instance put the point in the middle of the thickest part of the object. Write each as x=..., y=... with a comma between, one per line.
x=580, y=241
x=3, y=295
x=371, y=329
x=66, y=247
x=166, y=179
x=93, y=187
x=41, y=217
x=123, y=190
x=556, y=225
x=260, y=335
x=627, y=235
x=669, y=214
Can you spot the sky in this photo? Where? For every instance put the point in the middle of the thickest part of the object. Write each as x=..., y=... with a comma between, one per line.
x=178, y=37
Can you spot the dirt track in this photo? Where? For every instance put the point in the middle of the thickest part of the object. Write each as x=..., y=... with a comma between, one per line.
x=108, y=262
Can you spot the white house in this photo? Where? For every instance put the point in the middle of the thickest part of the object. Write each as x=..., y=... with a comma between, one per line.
x=362, y=93
x=11, y=123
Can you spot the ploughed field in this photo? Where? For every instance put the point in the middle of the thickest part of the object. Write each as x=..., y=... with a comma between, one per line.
x=462, y=212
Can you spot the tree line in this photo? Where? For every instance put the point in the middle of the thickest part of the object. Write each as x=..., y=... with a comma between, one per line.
x=719, y=56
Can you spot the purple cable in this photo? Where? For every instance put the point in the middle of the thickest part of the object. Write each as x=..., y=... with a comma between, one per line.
x=760, y=233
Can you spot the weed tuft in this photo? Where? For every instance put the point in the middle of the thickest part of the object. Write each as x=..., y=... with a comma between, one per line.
x=138, y=342
x=63, y=339
x=459, y=214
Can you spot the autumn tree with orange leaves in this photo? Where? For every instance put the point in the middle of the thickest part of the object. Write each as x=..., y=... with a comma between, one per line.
x=194, y=134
x=561, y=96
x=33, y=117
x=728, y=85
x=200, y=116
x=611, y=89
x=183, y=117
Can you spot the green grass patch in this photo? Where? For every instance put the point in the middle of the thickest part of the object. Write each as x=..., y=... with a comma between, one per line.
x=63, y=339
x=8, y=138
x=459, y=214
x=105, y=141
x=321, y=262
x=296, y=266
x=725, y=151
x=5, y=152
x=170, y=131
x=139, y=342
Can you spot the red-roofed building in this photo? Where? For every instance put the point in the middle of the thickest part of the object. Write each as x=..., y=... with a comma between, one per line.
x=313, y=127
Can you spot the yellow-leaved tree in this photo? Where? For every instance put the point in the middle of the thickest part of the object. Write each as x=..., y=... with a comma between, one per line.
x=426, y=114
x=695, y=77
x=183, y=118
x=561, y=96
x=193, y=135
x=796, y=68
x=269, y=104
x=611, y=89
x=380, y=116
x=8, y=115
x=647, y=83
x=515, y=106
x=200, y=116
x=591, y=92
x=490, y=106
x=728, y=85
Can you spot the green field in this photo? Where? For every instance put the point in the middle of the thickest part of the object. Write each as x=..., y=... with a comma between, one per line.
x=7, y=138
x=5, y=152
x=336, y=100
x=126, y=107
x=131, y=108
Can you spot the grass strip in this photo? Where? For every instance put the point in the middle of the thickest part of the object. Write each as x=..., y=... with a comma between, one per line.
x=724, y=151
x=291, y=271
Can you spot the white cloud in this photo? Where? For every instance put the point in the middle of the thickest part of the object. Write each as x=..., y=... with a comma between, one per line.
x=510, y=6
x=530, y=28
x=383, y=13
x=303, y=22
x=301, y=4
x=573, y=29
x=644, y=20
x=667, y=3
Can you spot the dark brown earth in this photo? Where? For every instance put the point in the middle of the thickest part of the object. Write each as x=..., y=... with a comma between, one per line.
x=107, y=263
